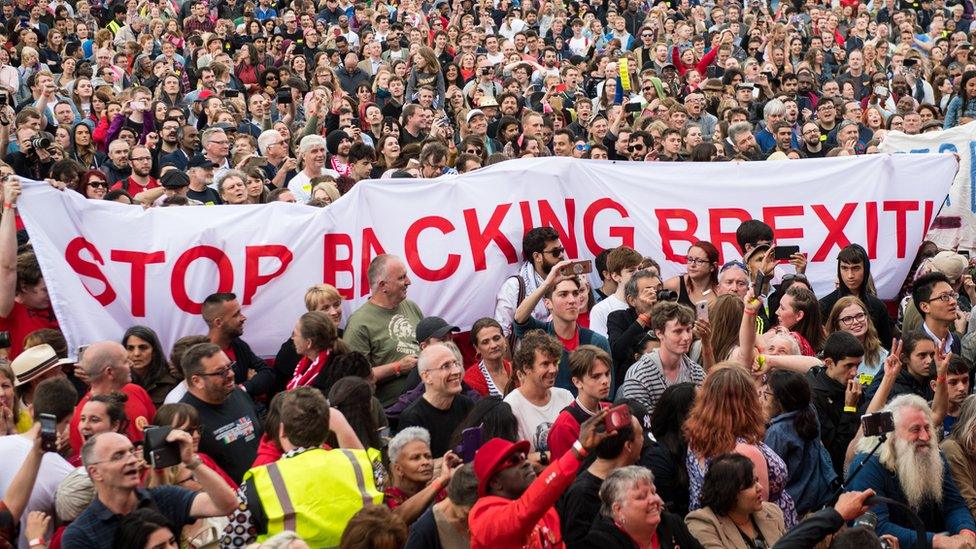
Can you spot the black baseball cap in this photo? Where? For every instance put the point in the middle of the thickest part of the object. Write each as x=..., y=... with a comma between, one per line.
x=200, y=161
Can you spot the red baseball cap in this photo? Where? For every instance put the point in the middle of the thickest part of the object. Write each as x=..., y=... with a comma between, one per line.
x=491, y=458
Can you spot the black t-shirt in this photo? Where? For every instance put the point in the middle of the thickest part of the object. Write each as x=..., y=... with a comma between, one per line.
x=229, y=432
x=207, y=196
x=440, y=423
x=579, y=506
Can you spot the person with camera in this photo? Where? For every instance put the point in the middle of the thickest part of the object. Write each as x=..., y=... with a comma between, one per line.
x=112, y=465
x=560, y=293
x=515, y=508
x=910, y=469
x=580, y=505
x=53, y=402
x=622, y=262
x=34, y=159
x=654, y=372
x=628, y=328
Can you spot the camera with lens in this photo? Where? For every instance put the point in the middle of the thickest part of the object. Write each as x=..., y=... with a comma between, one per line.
x=40, y=142
x=667, y=295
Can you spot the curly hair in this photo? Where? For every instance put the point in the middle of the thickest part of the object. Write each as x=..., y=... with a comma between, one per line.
x=535, y=340
x=727, y=409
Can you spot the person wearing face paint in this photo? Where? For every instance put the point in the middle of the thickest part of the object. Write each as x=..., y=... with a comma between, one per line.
x=516, y=507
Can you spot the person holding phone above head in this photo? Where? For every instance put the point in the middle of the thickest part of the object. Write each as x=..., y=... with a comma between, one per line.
x=560, y=293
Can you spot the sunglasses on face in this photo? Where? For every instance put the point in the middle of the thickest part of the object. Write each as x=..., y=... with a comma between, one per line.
x=98, y=184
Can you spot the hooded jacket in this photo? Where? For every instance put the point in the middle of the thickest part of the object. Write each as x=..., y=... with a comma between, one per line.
x=837, y=427
x=905, y=383
x=811, y=473
x=876, y=308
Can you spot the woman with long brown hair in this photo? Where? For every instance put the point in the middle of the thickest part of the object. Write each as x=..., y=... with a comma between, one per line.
x=799, y=313
x=728, y=417
x=851, y=315
x=426, y=71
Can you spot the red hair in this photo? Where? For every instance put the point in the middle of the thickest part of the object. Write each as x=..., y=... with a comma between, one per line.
x=727, y=408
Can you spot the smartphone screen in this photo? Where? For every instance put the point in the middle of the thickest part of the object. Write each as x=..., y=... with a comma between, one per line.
x=701, y=310
x=785, y=252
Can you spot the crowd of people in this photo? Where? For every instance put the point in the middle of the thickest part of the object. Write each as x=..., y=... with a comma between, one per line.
x=718, y=408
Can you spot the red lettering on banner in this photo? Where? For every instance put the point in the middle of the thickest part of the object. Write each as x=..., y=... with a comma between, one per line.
x=332, y=265
x=669, y=234
x=719, y=238
x=225, y=281
x=253, y=279
x=526, y=211
x=137, y=280
x=72, y=254
x=928, y=216
x=567, y=234
x=872, y=229
x=371, y=248
x=479, y=238
x=770, y=215
x=412, y=250
x=835, y=228
x=625, y=234
x=901, y=209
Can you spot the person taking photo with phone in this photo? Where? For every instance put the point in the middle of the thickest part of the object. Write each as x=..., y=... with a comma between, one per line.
x=560, y=292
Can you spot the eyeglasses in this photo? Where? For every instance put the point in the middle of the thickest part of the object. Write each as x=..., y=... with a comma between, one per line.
x=697, y=261
x=555, y=252
x=119, y=456
x=98, y=184
x=795, y=278
x=473, y=151
x=446, y=367
x=945, y=298
x=141, y=159
x=222, y=372
x=853, y=319
x=582, y=147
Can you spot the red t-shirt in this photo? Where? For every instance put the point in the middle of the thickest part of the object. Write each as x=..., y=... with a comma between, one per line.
x=139, y=409
x=570, y=344
x=133, y=187
x=22, y=321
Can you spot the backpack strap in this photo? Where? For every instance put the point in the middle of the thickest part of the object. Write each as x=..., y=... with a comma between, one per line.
x=521, y=297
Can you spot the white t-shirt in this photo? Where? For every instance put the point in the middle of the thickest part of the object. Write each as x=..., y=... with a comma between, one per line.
x=601, y=311
x=301, y=185
x=535, y=421
x=14, y=449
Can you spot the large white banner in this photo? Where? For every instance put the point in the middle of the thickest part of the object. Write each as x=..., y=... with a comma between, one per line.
x=956, y=225
x=110, y=266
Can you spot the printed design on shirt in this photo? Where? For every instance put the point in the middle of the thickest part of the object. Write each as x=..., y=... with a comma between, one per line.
x=401, y=330
x=230, y=433
x=141, y=422
x=541, y=438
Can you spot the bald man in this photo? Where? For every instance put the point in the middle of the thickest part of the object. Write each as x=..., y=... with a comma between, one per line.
x=109, y=370
x=442, y=407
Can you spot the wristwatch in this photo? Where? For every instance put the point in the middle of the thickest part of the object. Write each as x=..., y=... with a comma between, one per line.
x=194, y=463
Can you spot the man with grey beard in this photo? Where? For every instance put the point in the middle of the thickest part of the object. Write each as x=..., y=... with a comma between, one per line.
x=909, y=468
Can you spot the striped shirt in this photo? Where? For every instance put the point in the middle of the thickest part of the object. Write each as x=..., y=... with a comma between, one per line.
x=645, y=380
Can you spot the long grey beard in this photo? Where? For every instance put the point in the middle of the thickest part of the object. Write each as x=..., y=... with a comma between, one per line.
x=920, y=473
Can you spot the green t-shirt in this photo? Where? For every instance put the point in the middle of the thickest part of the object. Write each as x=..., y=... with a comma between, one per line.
x=385, y=335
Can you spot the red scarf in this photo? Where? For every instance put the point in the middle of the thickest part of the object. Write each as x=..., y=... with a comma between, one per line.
x=306, y=371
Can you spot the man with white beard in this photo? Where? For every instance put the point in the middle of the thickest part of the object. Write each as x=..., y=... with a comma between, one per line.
x=909, y=468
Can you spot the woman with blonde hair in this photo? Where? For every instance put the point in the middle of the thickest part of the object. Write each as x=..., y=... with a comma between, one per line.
x=960, y=451
x=728, y=417
x=14, y=418
x=851, y=315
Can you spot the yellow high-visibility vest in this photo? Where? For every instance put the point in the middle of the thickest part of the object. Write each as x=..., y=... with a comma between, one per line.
x=315, y=493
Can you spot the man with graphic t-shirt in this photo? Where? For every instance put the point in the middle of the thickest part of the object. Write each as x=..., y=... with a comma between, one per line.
x=229, y=426
x=200, y=170
x=222, y=313
x=24, y=302
x=561, y=295
x=385, y=327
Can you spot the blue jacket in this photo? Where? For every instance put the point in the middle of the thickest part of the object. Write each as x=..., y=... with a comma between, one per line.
x=586, y=337
x=811, y=472
x=956, y=110
x=951, y=515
